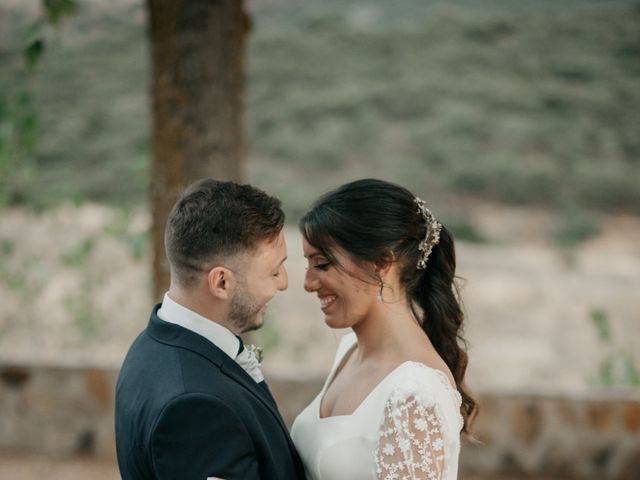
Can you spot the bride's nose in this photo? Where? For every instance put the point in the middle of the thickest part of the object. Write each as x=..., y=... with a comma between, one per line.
x=311, y=283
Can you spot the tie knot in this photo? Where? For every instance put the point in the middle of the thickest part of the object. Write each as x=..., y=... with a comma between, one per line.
x=241, y=346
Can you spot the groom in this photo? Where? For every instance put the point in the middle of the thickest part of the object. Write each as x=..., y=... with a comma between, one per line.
x=191, y=402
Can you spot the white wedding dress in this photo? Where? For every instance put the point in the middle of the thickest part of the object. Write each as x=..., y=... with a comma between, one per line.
x=408, y=427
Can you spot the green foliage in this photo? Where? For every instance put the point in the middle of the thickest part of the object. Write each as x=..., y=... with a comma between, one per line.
x=15, y=279
x=6, y=247
x=515, y=106
x=19, y=119
x=574, y=226
x=78, y=255
x=617, y=368
x=18, y=139
x=138, y=242
x=601, y=323
x=26, y=278
x=464, y=229
x=534, y=103
x=33, y=51
x=85, y=317
x=56, y=10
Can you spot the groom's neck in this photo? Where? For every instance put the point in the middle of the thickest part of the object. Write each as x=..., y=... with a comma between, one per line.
x=200, y=303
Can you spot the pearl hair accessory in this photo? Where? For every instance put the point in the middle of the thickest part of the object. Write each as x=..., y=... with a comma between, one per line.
x=432, y=236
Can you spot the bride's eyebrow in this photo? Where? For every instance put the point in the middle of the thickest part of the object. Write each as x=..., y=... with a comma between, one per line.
x=311, y=256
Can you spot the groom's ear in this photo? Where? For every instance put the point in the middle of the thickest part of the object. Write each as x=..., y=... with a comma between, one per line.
x=221, y=282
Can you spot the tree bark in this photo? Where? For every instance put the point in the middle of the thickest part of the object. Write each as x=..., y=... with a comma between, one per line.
x=198, y=78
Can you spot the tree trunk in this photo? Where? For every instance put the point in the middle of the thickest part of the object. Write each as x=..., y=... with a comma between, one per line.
x=198, y=52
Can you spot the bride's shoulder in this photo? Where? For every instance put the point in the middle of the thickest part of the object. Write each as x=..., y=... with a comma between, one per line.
x=417, y=384
x=421, y=381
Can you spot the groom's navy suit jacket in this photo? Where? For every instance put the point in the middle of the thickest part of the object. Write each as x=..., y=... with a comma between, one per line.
x=186, y=410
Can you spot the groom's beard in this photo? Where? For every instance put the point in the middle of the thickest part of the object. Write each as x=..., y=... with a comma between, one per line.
x=244, y=310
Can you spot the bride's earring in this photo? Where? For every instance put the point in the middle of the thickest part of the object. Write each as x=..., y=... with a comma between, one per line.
x=380, y=299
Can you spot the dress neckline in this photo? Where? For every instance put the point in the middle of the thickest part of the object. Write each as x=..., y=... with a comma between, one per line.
x=339, y=365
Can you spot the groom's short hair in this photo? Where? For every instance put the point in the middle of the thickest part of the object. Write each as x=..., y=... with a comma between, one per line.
x=214, y=220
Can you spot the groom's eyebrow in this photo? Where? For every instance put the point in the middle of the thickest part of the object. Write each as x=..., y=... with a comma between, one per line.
x=282, y=261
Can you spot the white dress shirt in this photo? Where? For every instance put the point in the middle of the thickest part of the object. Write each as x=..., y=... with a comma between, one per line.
x=220, y=336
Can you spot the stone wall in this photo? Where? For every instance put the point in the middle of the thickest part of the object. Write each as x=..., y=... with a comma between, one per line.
x=591, y=435
x=67, y=410
x=56, y=410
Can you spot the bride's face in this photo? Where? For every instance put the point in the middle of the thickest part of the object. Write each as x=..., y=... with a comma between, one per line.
x=346, y=297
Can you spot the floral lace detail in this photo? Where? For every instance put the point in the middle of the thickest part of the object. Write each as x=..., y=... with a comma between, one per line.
x=411, y=443
x=456, y=394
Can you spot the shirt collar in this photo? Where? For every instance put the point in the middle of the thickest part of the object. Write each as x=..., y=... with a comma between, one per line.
x=220, y=336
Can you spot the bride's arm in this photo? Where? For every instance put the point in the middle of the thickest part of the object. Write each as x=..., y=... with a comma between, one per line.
x=410, y=442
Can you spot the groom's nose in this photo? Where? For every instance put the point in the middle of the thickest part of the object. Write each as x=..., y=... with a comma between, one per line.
x=283, y=279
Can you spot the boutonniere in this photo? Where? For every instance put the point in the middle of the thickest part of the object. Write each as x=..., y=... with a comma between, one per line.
x=249, y=359
x=257, y=351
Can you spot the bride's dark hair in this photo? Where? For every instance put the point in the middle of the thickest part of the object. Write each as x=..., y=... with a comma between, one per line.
x=375, y=222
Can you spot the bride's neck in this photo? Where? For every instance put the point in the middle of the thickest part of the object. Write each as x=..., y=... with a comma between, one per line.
x=386, y=331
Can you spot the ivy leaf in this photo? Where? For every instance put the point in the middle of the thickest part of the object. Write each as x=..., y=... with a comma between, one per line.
x=33, y=32
x=33, y=51
x=57, y=9
x=601, y=323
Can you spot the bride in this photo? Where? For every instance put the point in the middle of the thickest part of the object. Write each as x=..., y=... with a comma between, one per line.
x=395, y=401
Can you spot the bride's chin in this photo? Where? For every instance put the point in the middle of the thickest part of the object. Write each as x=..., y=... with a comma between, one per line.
x=334, y=322
x=328, y=320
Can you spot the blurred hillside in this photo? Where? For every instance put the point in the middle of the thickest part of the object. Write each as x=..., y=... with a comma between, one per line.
x=521, y=102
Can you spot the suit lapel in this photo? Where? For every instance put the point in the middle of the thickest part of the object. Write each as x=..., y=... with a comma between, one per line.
x=237, y=373
x=261, y=390
x=171, y=334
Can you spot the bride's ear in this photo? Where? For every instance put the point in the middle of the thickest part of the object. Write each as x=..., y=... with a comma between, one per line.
x=221, y=282
x=382, y=267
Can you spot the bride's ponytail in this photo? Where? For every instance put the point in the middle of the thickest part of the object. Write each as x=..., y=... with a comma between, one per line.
x=435, y=293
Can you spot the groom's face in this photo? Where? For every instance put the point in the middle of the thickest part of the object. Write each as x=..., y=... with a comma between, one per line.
x=261, y=276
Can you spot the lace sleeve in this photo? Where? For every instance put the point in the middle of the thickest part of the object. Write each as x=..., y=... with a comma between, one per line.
x=410, y=442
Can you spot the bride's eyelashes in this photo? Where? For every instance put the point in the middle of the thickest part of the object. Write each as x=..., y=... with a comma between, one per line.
x=322, y=266
x=319, y=263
